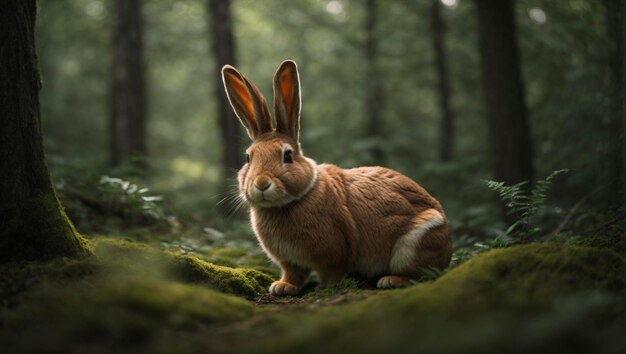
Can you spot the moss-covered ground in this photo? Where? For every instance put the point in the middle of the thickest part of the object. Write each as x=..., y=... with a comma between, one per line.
x=132, y=297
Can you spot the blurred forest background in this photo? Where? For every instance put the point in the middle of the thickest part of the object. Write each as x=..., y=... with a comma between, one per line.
x=491, y=105
x=137, y=132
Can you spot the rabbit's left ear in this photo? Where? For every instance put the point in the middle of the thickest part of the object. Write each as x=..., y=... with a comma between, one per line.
x=247, y=102
x=287, y=99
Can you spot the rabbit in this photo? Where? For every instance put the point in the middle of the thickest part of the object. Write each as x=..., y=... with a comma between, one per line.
x=370, y=221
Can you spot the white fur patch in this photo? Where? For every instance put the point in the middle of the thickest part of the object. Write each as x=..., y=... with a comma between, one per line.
x=403, y=255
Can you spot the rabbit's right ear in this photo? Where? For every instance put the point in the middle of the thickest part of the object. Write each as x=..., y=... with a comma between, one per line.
x=247, y=102
x=287, y=99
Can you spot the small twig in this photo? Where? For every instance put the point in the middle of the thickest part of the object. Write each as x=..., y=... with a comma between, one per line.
x=569, y=215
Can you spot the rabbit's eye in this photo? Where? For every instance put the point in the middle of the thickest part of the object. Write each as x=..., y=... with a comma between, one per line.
x=287, y=158
x=248, y=158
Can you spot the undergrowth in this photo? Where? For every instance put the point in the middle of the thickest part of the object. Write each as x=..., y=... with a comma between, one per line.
x=525, y=205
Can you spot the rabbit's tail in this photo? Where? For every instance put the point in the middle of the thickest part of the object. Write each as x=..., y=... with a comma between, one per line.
x=405, y=251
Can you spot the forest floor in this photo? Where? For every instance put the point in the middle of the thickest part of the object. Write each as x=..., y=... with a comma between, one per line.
x=186, y=294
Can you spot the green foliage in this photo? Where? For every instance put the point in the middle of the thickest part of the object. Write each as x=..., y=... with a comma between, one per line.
x=524, y=205
x=100, y=204
x=130, y=199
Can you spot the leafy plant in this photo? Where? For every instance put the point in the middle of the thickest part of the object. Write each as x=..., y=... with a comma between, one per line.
x=432, y=273
x=129, y=198
x=526, y=205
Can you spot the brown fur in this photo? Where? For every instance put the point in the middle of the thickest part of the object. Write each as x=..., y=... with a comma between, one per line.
x=324, y=218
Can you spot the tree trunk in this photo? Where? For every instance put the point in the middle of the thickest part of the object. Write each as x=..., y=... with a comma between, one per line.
x=509, y=131
x=617, y=154
x=375, y=95
x=224, y=53
x=446, y=129
x=33, y=225
x=128, y=96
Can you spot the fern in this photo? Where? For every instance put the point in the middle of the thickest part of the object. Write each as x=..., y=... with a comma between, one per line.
x=525, y=205
x=431, y=273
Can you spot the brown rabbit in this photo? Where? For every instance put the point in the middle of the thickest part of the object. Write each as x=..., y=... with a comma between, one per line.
x=368, y=220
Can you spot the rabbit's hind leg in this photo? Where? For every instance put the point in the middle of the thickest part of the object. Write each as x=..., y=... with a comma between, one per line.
x=426, y=245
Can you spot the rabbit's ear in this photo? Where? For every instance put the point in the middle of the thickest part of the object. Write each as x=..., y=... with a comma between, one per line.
x=247, y=102
x=287, y=99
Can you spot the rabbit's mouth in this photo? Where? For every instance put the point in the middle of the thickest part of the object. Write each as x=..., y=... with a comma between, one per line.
x=268, y=191
x=268, y=203
x=267, y=198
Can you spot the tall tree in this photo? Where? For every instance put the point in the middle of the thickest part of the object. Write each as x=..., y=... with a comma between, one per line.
x=446, y=129
x=616, y=28
x=128, y=94
x=375, y=94
x=33, y=225
x=224, y=53
x=509, y=131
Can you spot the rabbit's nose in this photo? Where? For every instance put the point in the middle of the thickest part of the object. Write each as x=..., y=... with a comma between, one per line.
x=262, y=183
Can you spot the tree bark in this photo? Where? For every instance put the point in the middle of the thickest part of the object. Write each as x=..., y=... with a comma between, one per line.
x=509, y=131
x=446, y=129
x=224, y=53
x=617, y=154
x=375, y=95
x=128, y=96
x=33, y=225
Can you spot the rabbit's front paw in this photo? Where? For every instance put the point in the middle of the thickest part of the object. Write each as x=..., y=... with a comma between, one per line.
x=393, y=282
x=282, y=288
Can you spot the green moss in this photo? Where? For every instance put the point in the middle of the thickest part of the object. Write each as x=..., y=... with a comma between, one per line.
x=532, y=274
x=346, y=285
x=616, y=243
x=127, y=255
x=113, y=313
x=115, y=256
x=526, y=298
x=231, y=280
x=239, y=257
x=38, y=230
x=17, y=278
x=128, y=296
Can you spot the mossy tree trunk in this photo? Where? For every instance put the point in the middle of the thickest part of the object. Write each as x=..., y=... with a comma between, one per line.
x=128, y=93
x=509, y=131
x=33, y=225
